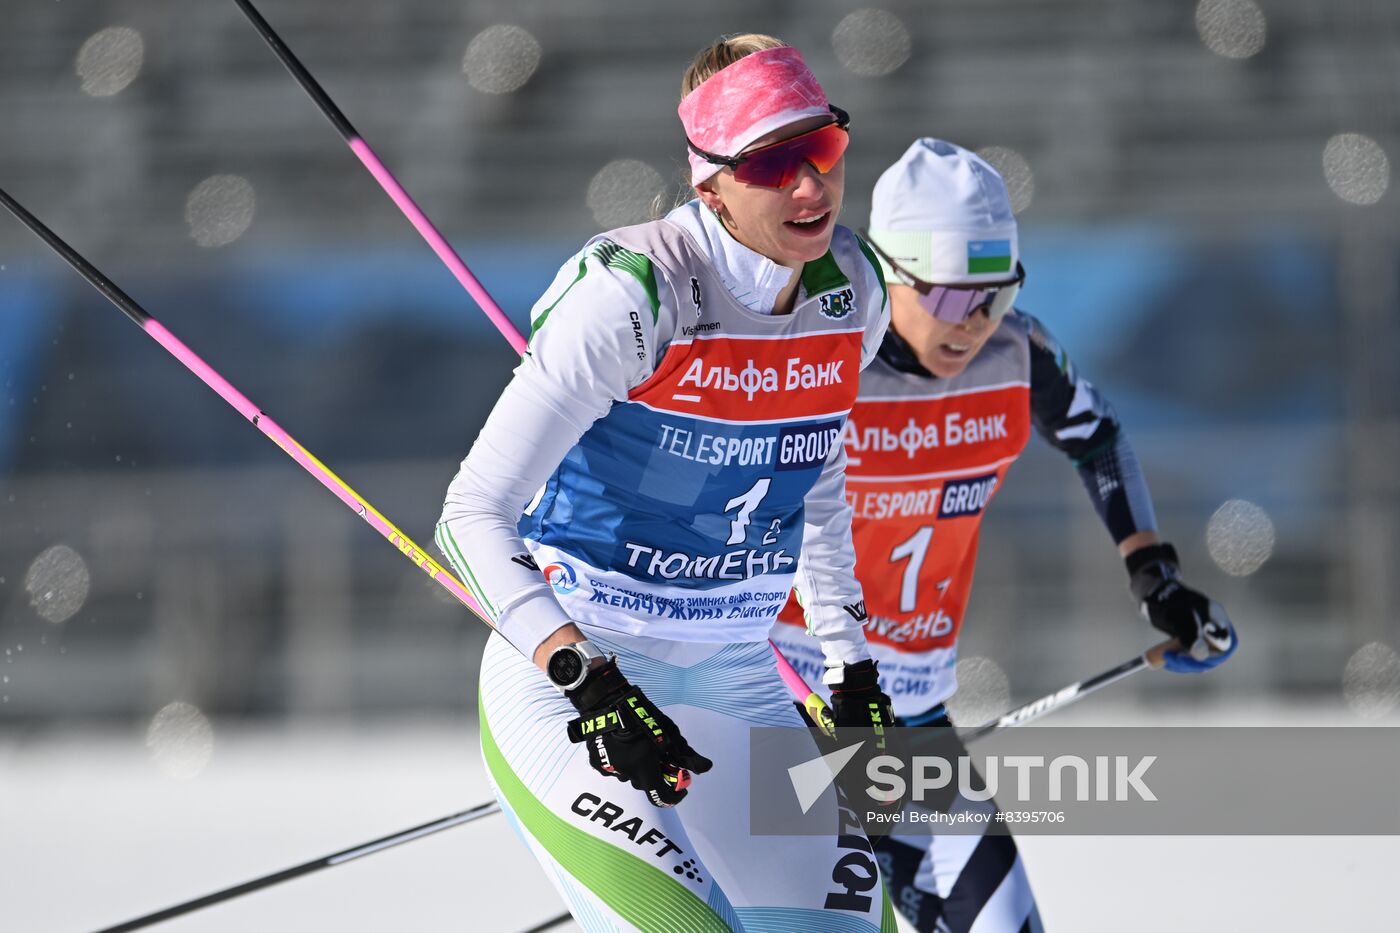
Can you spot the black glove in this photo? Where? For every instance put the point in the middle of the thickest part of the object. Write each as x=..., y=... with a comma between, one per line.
x=1199, y=624
x=630, y=739
x=857, y=702
x=856, y=698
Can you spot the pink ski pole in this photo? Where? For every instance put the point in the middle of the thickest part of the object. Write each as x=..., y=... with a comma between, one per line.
x=141, y=318
x=386, y=180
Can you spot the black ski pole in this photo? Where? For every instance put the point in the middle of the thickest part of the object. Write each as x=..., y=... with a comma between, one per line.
x=1151, y=658
x=306, y=868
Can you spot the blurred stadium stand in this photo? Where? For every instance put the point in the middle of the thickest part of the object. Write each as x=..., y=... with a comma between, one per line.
x=1182, y=239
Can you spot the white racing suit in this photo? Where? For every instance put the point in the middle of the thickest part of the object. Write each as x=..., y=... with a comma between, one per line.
x=675, y=451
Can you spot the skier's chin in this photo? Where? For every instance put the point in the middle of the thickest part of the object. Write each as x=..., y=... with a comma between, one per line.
x=945, y=370
x=803, y=247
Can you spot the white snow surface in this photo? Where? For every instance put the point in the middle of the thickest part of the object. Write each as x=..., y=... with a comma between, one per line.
x=92, y=832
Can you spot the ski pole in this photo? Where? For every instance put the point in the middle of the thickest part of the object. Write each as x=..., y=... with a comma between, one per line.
x=386, y=180
x=1153, y=657
x=141, y=318
x=328, y=861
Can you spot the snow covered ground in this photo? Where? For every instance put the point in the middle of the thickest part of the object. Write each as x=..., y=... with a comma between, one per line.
x=92, y=833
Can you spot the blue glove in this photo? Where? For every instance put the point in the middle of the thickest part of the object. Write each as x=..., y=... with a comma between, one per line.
x=1196, y=622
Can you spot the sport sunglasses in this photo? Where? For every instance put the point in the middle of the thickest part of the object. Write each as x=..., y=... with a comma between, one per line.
x=776, y=165
x=953, y=304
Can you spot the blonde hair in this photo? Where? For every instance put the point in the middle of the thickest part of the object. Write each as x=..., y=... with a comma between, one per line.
x=723, y=53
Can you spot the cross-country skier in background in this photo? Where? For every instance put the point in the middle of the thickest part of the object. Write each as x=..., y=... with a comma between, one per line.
x=672, y=437
x=943, y=412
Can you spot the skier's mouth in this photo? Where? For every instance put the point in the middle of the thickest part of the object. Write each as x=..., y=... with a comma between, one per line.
x=809, y=226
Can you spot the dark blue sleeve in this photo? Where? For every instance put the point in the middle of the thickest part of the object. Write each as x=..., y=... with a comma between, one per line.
x=1075, y=418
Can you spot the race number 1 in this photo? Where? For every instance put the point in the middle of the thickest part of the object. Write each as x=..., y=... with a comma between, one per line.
x=745, y=504
x=916, y=549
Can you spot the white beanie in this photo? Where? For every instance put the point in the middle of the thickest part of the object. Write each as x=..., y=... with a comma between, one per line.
x=945, y=216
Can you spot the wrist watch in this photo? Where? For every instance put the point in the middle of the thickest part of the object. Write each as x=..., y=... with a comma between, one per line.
x=568, y=664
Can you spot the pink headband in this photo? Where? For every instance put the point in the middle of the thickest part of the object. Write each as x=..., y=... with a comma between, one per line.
x=746, y=100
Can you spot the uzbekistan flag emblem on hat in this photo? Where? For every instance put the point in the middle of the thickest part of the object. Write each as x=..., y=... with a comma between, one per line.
x=988, y=256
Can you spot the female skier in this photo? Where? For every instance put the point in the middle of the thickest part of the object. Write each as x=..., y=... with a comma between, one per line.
x=672, y=438
x=943, y=412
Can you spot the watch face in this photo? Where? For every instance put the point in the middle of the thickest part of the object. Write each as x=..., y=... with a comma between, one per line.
x=565, y=667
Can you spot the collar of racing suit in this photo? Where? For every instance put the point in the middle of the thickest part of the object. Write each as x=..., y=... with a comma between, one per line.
x=752, y=278
x=895, y=351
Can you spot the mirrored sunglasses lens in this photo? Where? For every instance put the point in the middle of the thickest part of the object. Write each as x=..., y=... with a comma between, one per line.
x=767, y=169
x=776, y=166
x=826, y=146
x=949, y=305
x=952, y=305
x=1003, y=301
